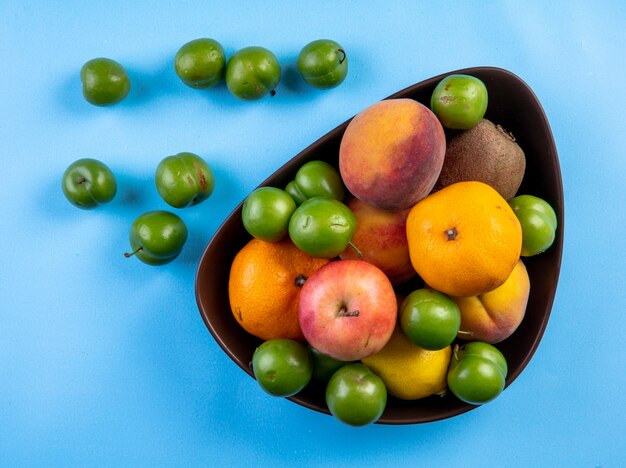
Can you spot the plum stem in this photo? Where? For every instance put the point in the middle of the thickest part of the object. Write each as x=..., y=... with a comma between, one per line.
x=128, y=255
x=343, y=58
x=464, y=333
x=455, y=352
x=359, y=254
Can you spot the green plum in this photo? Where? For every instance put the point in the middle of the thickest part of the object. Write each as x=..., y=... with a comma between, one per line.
x=88, y=183
x=157, y=237
x=538, y=221
x=322, y=227
x=293, y=190
x=184, y=179
x=320, y=179
x=282, y=367
x=459, y=101
x=105, y=82
x=252, y=73
x=266, y=212
x=323, y=64
x=200, y=63
x=324, y=366
x=477, y=372
x=355, y=395
x=430, y=319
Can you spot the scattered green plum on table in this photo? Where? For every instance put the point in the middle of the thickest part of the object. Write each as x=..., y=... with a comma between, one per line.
x=252, y=73
x=323, y=64
x=200, y=63
x=88, y=183
x=105, y=82
x=184, y=180
x=157, y=237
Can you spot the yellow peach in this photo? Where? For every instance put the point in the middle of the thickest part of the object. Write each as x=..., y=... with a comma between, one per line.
x=495, y=315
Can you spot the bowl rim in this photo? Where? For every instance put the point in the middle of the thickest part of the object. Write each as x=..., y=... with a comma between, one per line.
x=293, y=162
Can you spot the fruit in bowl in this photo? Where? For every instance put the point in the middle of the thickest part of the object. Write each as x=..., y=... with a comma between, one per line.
x=513, y=105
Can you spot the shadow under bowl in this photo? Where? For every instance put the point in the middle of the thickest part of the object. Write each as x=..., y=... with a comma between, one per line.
x=513, y=105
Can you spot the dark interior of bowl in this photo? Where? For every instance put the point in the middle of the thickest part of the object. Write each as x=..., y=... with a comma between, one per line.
x=513, y=105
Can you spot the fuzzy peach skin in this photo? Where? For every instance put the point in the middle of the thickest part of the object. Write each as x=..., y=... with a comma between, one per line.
x=495, y=315
x=381, y=237
x=347, y=309
x=391, y=153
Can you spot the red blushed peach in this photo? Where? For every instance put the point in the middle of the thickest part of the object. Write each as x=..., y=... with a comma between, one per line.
x=381, y=237
x=391, y=153
x=494, y=316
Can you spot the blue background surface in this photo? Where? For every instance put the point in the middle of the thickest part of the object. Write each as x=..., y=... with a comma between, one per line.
x=106, y=361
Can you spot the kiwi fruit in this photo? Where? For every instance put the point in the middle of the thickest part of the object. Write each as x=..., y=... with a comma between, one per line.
x=486, y=153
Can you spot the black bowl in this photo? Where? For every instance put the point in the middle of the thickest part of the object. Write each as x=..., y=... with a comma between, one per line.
x=513, y=105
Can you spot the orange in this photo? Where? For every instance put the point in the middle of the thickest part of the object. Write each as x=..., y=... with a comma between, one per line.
x=464, y=240
x=264, y=287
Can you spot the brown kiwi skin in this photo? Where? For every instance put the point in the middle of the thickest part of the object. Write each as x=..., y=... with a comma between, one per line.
x=486, y=153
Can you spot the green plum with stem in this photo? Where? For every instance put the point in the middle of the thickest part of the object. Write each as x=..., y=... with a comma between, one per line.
x=252, y=72
x=323, y=64
x=157, y=237
x=88, y=183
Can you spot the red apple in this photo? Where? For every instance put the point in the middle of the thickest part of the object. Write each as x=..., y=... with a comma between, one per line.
x=347, y=309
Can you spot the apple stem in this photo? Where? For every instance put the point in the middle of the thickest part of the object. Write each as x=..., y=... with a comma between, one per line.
x=343, y=312
x=81, y=180
x=128, y=255
x=359, y=254
x=455, y=352
x=465, y=333
x=273, y=92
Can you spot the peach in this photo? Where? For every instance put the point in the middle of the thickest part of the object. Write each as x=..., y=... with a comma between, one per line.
x=381, y=237
x=391, y=153
x=495, y=315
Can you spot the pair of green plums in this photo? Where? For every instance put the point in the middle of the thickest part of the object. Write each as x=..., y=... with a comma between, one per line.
x=156, y=237
x=354, y=394
x=309, y=210
x=253, y=72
